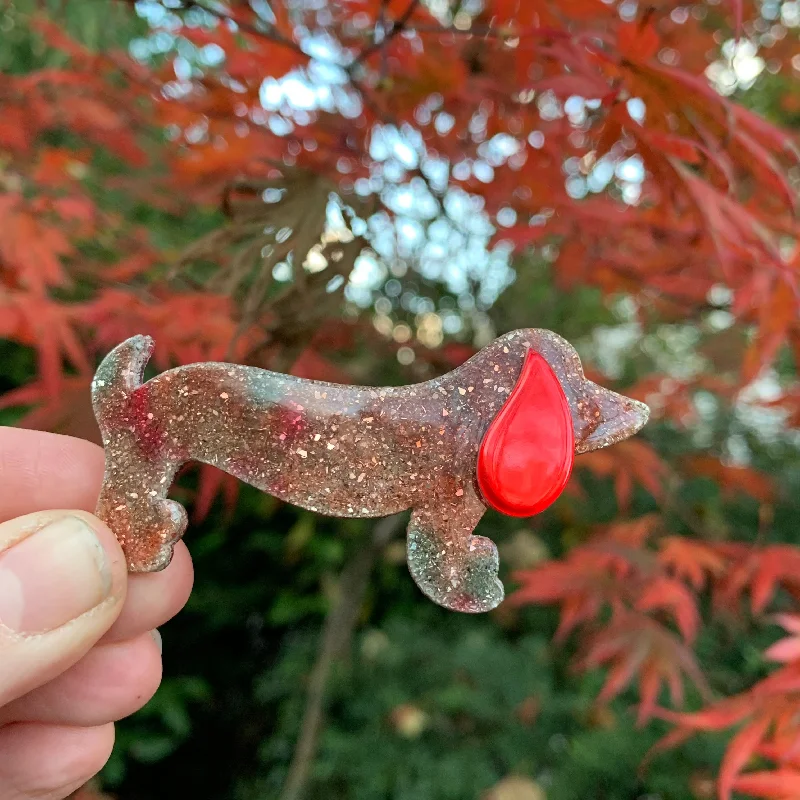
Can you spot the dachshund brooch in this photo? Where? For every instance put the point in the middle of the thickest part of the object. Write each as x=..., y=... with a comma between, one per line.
x=500, y=431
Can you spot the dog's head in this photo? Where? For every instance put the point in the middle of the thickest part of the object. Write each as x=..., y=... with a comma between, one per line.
x=600, y=417
x=552, y=414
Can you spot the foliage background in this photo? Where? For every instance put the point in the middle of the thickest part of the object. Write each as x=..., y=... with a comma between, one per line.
x=133, y=198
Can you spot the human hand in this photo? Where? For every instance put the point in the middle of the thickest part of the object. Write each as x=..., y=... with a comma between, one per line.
x=78, y=647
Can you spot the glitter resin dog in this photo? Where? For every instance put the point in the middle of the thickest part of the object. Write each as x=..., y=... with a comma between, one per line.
x=500, y=431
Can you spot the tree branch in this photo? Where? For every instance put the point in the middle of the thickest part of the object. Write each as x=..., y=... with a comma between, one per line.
x=270, y=34
x=398, y=26
x=336, y=633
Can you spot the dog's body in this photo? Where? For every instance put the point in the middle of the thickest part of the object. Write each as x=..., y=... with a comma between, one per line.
x=339, y=450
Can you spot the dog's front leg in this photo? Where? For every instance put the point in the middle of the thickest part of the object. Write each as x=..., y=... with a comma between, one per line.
x=451, y=566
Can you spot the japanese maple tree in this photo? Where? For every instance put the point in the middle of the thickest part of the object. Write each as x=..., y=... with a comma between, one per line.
x=365, y=171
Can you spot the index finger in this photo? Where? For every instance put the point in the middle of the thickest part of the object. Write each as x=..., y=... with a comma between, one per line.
x=40, y=471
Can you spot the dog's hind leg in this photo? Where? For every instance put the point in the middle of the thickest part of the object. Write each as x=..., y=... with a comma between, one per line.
x=451, y=566
x=139, y=466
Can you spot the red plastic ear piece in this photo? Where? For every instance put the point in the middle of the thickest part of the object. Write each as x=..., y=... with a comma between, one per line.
x=526, y=455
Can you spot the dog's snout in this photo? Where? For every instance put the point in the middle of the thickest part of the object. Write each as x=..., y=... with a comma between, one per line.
x=604, y=417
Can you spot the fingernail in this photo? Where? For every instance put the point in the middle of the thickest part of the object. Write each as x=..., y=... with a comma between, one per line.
x=52, y=576
x=156, y=634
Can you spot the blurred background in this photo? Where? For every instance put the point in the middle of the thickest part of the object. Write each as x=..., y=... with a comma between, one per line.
x=368, y=191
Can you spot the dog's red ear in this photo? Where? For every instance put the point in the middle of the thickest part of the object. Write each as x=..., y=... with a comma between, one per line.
x=526, y=456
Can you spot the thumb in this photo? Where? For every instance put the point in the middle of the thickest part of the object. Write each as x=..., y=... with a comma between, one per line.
x=62, y=585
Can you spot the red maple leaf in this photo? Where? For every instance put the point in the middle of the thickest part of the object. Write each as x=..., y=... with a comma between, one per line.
x=634, y=645
x=629, y=462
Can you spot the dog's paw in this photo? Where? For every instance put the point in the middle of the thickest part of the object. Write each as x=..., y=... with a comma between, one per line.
x=458, y=576
x=146, y=529
x=482, y=589
x=153, y=548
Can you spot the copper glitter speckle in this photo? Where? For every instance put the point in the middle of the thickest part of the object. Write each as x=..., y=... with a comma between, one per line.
x=347, y=451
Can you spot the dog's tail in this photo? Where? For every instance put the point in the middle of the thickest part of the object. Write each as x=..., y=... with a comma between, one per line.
x=119, y=374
